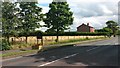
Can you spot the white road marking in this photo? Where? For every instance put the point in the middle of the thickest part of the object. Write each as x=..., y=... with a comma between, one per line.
x=92, y=49
x=71, y=55
x=57, y=60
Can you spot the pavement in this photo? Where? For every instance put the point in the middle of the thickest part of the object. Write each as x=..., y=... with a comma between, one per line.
x=100, y=53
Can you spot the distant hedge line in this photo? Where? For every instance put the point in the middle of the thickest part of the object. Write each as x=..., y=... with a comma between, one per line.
x=76, y=34
x=67, y=34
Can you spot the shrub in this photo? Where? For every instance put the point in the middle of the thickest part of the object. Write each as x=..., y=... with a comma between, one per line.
x=5, y=45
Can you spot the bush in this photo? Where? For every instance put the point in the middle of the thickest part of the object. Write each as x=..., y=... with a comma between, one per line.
x=5, y=45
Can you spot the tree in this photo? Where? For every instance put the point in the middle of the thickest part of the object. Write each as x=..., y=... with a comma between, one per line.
x=29, y=15
x=9, y=19
x=58, y=18
x=113, y=26
x=106, y=29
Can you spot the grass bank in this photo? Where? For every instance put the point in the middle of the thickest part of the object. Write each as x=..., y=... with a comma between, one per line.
x=15, y=54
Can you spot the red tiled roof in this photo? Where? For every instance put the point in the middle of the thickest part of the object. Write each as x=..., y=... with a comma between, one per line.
x=85, y=25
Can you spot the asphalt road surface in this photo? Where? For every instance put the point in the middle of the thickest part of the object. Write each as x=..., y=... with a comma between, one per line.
x=100, y=53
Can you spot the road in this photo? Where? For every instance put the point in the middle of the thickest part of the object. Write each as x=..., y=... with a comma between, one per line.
x=100, y=53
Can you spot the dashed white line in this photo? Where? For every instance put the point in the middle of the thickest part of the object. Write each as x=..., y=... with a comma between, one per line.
x=57, y=60
x=48, y=63
x=92, y=49
x=71, y=55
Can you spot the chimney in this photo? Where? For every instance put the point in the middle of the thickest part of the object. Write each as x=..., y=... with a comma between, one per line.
x=87, y=24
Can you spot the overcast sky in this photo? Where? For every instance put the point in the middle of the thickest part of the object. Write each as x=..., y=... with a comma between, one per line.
x=93, y=11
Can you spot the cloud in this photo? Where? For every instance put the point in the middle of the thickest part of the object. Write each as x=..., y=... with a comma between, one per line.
x=45, y=8
x=88, y=8
x=94, y=9
x=90, y=1
x=44, y=1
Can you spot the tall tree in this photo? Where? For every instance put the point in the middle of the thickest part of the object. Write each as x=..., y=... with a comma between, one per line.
x=113, y=26
x=58, y=18
x=30, y=15
x=9, y=19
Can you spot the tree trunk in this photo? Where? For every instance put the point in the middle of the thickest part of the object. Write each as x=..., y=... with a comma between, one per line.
x=37, y=40
x=57, y=39
x=42, y=41
x=114, y=32
x=8, y=40
x=26, y=40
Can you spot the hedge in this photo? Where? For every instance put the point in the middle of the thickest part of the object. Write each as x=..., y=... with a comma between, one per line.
x=67, y=34
x=77, y=34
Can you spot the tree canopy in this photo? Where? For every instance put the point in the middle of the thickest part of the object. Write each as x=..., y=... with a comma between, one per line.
x=29, y=15
x=9, y=19
x=59, y=17
x=113, y=26
x=23, y=19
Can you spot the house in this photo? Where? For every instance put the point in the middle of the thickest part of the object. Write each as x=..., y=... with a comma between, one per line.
x=85, y=28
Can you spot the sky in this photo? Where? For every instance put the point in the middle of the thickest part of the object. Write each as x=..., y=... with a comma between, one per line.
x=94, y=12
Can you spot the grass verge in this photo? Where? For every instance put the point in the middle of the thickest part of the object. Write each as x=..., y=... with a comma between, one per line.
x=47, y=47
x=17, y=53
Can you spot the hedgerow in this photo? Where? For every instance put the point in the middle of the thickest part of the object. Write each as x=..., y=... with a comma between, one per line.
x=67, y=34
x=76, y=34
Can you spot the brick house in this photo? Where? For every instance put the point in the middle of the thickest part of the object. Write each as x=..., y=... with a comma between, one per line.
x=85, y=28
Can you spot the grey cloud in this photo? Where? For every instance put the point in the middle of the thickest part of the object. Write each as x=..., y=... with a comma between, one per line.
x=94, y=9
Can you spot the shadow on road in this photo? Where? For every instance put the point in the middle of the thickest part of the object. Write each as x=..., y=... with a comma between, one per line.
x=102, y=56
x=92, y=55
